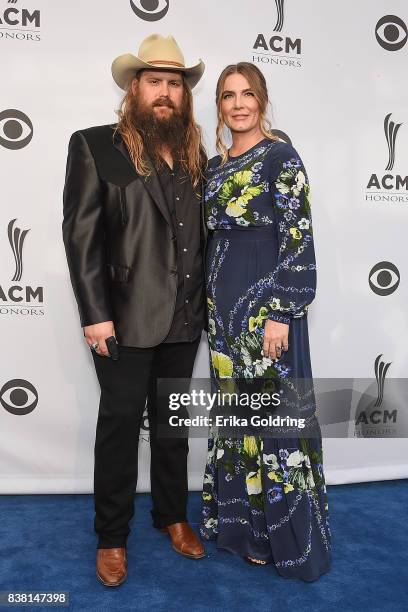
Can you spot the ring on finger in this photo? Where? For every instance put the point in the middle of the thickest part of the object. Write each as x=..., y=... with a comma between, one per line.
x=94, y=346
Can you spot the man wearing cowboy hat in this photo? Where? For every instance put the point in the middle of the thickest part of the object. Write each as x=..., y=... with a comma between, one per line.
x=134, y=238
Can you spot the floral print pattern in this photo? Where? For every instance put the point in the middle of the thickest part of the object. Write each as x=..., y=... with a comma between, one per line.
x=262, y=496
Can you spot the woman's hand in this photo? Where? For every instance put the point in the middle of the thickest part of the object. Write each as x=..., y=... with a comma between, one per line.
x=275, y=339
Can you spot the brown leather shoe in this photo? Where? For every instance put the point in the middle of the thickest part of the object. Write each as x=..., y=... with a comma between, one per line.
x=184, y=540
x=111, y=566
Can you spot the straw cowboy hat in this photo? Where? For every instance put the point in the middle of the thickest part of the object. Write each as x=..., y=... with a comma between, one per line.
x=155, y=52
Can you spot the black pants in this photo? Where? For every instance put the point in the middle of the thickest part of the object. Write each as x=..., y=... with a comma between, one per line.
x=125, y=386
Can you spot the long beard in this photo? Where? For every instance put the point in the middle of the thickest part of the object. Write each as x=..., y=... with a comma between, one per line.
x=160, y=132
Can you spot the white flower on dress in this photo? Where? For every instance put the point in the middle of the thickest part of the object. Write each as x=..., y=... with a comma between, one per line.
x=295, y=459
x=266, y=362
x=259, y=367
x=241, y=221
x=304, y=223
x=254, y=483
x=271, y=460
x=220, y=453
x=235, y=208
x=208, y=479
x=246, y=356
x=300, y=183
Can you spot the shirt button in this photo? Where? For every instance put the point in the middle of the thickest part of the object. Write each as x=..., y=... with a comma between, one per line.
x=185, y=250
x=181, y=224
x=177, y=198
x=187, y=301
x=187, y=276
x=185, y=323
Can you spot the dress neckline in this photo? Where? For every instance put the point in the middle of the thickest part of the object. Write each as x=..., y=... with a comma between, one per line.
x=233, y=157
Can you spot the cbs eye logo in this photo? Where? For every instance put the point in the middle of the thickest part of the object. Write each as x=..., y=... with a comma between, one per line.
x=150, y=10
x=391, y=33
x=19, y=397
x=384, y=278
x=16, y=129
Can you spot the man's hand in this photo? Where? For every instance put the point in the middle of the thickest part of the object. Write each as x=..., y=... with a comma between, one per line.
x=97, y=334
x=275, y=339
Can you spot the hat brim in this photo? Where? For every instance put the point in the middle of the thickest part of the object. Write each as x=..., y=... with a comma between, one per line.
x=126, y=66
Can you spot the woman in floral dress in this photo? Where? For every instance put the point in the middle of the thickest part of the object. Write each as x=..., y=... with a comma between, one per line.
x=264, y=497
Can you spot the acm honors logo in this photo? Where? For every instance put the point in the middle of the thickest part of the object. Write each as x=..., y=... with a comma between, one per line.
x=17, y=298
x=381, y=410
x=19, y=23
x=150, y=10
x=18, y=397
x=388, y=186
x=277, y=49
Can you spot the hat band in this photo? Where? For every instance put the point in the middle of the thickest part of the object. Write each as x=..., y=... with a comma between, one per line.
x=166, y=62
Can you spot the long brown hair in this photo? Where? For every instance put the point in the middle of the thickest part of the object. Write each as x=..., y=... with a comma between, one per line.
x=258, y=85
x=193, y=157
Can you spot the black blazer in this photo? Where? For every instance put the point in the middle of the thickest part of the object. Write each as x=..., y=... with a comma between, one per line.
x=119, y=239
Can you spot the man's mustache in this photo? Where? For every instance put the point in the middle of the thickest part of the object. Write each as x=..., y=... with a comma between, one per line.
x=163, y=102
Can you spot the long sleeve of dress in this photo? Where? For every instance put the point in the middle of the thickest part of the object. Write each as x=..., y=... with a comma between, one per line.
x=294, y=277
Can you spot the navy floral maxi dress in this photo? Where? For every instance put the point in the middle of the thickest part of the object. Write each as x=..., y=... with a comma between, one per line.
x=263, y=496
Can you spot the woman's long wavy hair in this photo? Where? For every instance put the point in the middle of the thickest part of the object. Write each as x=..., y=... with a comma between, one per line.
x=193, y=157
x=257, y=83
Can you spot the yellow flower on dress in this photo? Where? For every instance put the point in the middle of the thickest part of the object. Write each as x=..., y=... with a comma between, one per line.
x=253, y=323
x=207, y=497
x=288, y=487
x=274, y=476
x=222, y=364
x=237, y=191
x=297, y=234
x=250, y=446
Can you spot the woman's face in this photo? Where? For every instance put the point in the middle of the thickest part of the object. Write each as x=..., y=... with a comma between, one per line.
x=239, y=107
